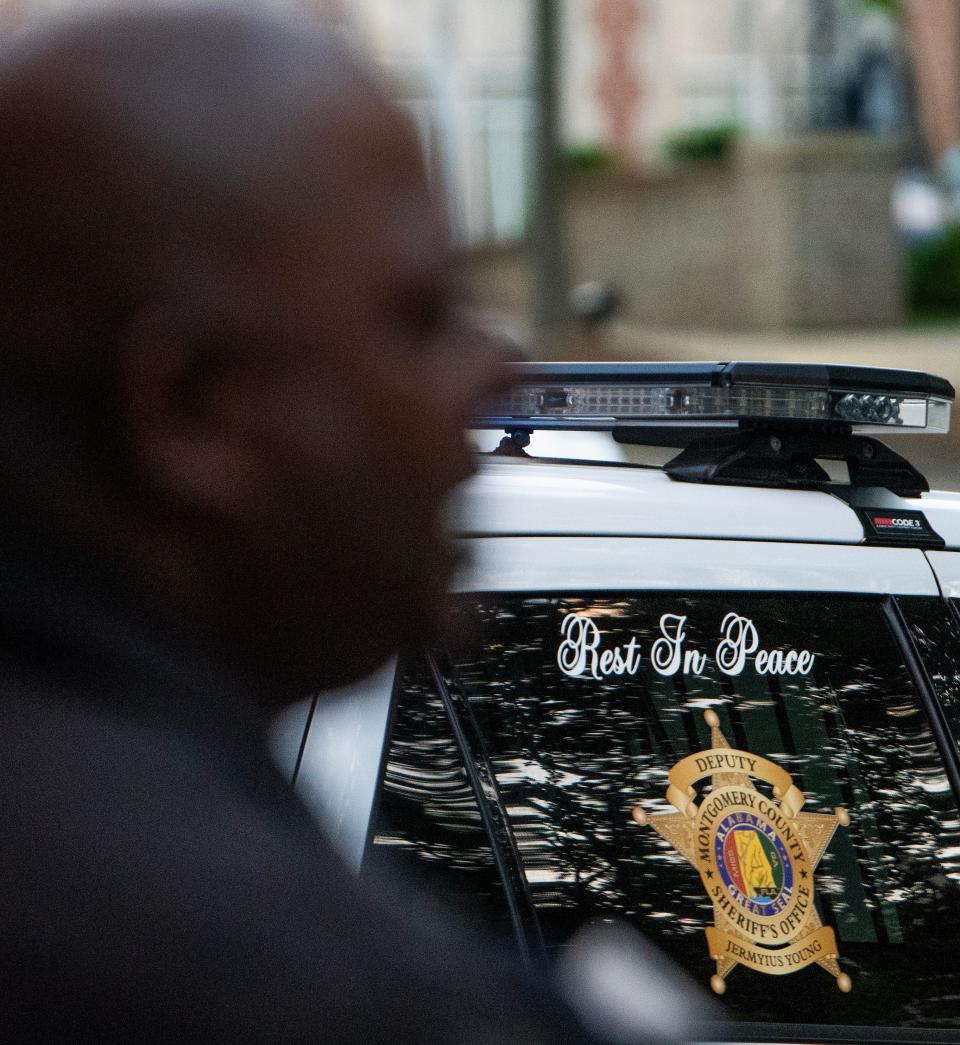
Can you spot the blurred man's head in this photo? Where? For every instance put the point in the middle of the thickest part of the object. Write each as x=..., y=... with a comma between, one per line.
x=229, y=348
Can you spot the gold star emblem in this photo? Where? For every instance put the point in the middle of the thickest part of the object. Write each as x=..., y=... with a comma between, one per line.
x=756, y=854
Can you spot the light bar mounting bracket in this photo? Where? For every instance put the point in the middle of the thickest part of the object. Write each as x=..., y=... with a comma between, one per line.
x=786, y=456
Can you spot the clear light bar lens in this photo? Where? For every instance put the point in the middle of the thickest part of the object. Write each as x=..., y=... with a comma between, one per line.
x=652, y=402
x=632, y=403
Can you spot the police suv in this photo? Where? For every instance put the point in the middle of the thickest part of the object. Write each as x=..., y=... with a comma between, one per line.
x=716, y=699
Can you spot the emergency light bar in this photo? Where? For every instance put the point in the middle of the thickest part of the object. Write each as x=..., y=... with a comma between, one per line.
x=606, y=396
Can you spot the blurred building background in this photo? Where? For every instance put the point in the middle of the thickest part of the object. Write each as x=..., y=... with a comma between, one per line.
x=728, y=163
x=649, y=178
x=636, y=74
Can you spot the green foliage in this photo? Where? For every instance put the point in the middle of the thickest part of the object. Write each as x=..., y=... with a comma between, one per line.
x=589, y=159
x=934, y=275
x=702, y=143
x=892, y=7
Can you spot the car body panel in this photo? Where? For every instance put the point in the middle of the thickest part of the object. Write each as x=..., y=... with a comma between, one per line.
x=644, y=563
x=528, y=496
x=340, y=764
x=946, y=566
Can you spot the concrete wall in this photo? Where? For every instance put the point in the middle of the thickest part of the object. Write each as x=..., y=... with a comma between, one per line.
x=819, y=225
x=670, y=244
x=791, y=235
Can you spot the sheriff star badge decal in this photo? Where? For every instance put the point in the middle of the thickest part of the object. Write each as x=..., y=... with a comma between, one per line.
x=755, y=855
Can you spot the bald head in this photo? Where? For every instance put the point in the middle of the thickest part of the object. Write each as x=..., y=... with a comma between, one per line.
x=141, y=150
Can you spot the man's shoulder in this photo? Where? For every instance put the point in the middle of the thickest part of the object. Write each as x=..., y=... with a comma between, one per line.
x=163, y=887
x=137, y=855
x=71, y=762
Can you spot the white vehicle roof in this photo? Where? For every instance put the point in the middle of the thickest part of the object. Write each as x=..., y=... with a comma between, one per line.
x=528, y=497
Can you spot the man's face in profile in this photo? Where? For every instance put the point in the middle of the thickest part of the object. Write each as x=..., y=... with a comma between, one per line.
x=355, y=425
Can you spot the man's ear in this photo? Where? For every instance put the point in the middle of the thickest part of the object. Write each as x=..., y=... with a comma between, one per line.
x=174, y=390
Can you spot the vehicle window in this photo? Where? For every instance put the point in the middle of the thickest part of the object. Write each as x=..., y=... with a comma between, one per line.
x=586, y=704
x=937, y=637
x=935, y=631
x=427, y=824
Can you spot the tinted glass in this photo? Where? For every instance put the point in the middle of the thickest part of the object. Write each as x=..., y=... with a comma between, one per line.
x=427, y=824
x=935, y=629
x=586, y=704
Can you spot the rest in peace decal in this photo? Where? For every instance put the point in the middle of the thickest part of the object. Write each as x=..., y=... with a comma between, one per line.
x=582, y=654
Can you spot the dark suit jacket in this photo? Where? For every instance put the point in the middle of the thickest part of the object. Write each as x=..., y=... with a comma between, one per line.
x=159, y=881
